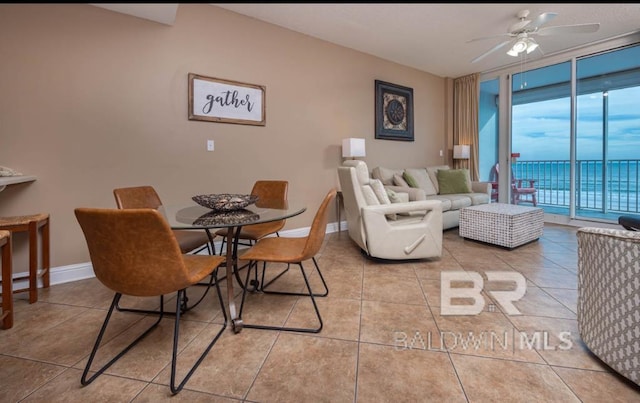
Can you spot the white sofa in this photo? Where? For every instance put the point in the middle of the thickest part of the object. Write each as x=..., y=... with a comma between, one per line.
x=609, y=297
x=385, y=229
x=429, y=189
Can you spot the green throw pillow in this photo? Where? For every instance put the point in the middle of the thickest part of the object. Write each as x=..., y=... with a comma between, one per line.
x=409, y=179
x=452, y=181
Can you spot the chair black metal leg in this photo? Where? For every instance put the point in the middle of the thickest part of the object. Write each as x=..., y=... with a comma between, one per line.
x=184, y=306
x=175, y=389
x=116, y=298
x=283, y=328
x=324, y=283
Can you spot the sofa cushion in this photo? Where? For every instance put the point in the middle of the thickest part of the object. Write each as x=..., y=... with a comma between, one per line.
x=398, y=197
x=385, y=175
x=398, y=180
x=458, y=201
x=479, y=198
x=422, y=179
x=446, y=203
x=433, y=175
x=451, y=181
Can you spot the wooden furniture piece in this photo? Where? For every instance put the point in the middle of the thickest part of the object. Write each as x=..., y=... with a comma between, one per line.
x=31, y=224
x=523, y=193
x=522, y=190
x=7, y=286
x=134, y=252
x=291, y=251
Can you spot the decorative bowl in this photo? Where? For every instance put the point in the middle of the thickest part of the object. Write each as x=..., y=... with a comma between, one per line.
x=227, y=217
x=225, y=201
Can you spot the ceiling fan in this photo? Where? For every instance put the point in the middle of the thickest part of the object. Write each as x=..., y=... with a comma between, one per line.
x=522, y=33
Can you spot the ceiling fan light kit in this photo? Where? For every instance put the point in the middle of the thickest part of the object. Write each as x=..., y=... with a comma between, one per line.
x=522, y=44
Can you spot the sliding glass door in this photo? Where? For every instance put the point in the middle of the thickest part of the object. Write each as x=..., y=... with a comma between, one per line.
x=576, y=140
x=608, y=134
x=541, y=137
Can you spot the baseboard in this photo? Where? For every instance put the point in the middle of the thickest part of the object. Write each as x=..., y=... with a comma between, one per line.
x=59, y=275
x=82, y=271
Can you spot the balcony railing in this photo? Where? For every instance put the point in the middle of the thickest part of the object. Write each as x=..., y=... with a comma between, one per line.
x=613, y=189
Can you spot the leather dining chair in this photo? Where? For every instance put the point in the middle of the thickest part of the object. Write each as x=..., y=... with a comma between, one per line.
x=134, y=252
x=271, y=194
x=190, y=241
x=147, y=197
x=291, y=251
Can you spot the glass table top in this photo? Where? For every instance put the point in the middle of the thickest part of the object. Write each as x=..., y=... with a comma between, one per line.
x=189, y=216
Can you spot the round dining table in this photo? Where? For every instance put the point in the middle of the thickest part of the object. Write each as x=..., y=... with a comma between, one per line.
x=196, y=217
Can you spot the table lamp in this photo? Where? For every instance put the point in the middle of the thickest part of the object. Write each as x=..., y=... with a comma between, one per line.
x=461, y=152
x=353, y=147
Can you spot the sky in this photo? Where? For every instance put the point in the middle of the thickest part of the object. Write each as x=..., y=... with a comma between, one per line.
x=540, y=130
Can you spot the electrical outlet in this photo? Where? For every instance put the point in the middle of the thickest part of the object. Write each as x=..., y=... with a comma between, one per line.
x=210, y=145
x=441, y=153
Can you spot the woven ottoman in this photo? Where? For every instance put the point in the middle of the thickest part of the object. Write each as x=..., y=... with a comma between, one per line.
x=506, y=225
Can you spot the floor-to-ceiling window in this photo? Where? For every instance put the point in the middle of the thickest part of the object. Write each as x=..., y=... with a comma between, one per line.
x=608, y=134
x=598, y=157
x=541, y=133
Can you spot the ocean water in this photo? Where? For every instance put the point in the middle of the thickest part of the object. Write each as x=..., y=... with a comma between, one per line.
x=617, y=190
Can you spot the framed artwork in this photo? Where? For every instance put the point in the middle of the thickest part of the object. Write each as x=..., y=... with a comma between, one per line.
x=394, y=112
x=225, y=101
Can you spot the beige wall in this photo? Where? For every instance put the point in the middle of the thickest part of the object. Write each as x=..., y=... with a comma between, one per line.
x=91, y=100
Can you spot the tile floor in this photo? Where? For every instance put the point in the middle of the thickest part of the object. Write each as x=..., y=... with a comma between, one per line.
x=384, y=338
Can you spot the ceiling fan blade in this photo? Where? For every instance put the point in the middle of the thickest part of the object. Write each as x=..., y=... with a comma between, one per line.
x=569, y=29
x=541, y=20
x=487, y=53
x=489, y=37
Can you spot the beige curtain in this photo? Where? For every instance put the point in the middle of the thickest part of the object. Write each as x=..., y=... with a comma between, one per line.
x=466, y=97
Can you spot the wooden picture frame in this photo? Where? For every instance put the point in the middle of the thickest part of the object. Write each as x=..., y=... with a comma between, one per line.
x=394, y=112
x=225, y=101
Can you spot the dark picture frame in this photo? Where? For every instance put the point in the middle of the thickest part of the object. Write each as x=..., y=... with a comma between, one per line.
x=394, y=112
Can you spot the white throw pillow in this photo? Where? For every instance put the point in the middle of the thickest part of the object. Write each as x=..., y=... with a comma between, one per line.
x=398, y=180
x=422, y=180
x=385, y=175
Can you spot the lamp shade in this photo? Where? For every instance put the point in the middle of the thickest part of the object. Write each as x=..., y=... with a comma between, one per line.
x=353, y=147
x=461, y=152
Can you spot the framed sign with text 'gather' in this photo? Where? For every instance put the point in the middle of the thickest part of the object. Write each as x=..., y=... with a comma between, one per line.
x=225, y=101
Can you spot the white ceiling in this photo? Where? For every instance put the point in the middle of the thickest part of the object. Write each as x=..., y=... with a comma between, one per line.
x=431, y=37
